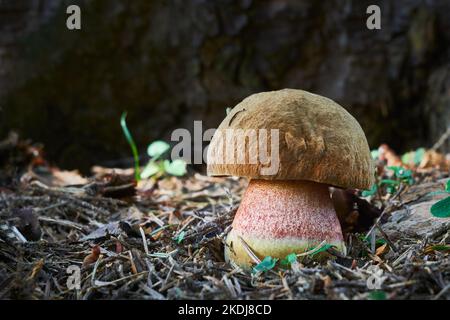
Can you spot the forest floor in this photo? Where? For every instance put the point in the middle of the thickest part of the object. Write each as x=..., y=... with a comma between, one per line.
x=164, y=238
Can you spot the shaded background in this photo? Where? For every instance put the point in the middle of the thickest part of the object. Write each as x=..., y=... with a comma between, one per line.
x=171, y=62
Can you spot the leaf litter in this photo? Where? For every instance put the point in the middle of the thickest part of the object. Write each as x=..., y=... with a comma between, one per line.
x=164, y=239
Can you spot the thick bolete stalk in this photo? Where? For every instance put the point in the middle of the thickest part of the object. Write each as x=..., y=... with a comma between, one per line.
x=279, y=217
x=319, y=144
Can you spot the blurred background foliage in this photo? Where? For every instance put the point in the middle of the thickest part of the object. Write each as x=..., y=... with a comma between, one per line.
x=171, y=62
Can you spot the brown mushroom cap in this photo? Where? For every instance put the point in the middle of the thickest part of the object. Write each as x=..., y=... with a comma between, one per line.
x=318, y=140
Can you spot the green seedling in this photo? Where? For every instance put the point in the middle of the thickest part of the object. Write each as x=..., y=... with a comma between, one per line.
x=401, y=176
x=157, y=166
x=134, y=150
x=155, y=151
x=268, y=263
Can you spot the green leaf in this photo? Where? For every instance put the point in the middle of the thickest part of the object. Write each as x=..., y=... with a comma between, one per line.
x=267, y=264
x=441, y=247
x=371, y=192
x=157, y=149
x=391, y=185
x=441, y=209
x=408, y=157
x=404, y=174
x=414, y=157
x=325, y=247
x=389, y=182
x=160, y=229
x=447, y=186
x=175, y=168
x=126, y=132
x=377, y=295
x=401, y=172
x=375, y=154
x=418, y=156
x=150, y=169
x=378, y=242
x=179, y=238
x=290, y=258
x=390, y=189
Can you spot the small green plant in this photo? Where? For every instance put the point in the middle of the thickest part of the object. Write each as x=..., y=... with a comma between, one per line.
x=268, y=263
x=441, y=209
x=157, y=166
x=134, y=150
x=375, y=154
x=155, y=151
x=371, y=192
x=289, y=260
x=366, y=240
x=414, y=157
x=316, y=250
x=440, y=247
x=401, y=175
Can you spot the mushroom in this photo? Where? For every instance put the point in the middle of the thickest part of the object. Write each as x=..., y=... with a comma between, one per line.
x=288, y=211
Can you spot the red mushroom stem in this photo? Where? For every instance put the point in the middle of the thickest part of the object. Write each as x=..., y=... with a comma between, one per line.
x=280, y=217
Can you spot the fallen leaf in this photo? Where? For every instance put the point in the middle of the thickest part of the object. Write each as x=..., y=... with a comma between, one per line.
x=385, y=153
x=433, y=159
x=382, y=250
x=92, y=257
x=66, y=178
x=36, y=269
